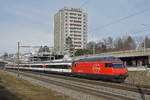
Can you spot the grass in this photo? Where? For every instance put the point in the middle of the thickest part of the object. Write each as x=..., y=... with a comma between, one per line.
x=138, y=77
x=12, y=88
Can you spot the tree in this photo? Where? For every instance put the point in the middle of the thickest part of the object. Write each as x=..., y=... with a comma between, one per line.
x=80, y=52
x=107, y=44
x=118, y=44
x=90, y=47
x=138, y=41
x=44, y=49
x=69, y=46
x=129, y=44
x=110, y=43
x=5, y=55
x=101, y=46
x=146, y=42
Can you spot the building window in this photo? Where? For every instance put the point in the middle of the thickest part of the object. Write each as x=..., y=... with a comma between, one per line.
x=76, y=21
x=77, y=35
x=73, y=14
x=73, y=17
x=77, y=38
x=79, y=15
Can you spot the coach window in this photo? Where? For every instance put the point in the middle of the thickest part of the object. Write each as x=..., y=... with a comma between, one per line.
x=108, y=65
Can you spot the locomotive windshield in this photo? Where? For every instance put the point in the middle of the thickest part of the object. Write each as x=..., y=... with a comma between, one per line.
x=118, y=65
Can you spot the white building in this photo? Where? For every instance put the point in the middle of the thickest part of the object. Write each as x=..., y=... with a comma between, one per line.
x=70, y=22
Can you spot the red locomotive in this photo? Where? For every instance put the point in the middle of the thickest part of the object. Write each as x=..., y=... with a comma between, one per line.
x=110, y=68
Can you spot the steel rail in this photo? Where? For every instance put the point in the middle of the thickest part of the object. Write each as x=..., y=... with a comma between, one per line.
x=80, y=87
x=144, y=89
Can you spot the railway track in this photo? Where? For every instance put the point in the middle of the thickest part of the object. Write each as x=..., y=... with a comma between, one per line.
x=76, y=85
x=145, y=89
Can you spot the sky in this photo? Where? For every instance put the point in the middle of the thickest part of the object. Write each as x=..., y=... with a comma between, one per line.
x=31, y=22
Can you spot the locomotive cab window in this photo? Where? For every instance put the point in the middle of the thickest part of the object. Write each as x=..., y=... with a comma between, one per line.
x=118, y=65
x=74, y=65
x=108, y=65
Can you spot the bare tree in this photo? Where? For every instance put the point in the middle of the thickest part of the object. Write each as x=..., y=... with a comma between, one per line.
x=44, y=49
x=90, y=47
x=118, y=44
x=138, y=41
x=109, y=44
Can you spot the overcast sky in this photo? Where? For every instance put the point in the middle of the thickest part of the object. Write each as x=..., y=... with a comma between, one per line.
x=31, y=21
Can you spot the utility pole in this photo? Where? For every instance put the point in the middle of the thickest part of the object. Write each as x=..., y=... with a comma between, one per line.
x=144, y=45
x=18, y=58
x=94, y=45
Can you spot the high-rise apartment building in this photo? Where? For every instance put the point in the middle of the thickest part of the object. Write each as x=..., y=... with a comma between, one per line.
x=70, y=22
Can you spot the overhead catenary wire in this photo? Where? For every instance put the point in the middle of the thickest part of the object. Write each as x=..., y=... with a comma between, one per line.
x=141, y=31
x=117, y=21
x=121, y=19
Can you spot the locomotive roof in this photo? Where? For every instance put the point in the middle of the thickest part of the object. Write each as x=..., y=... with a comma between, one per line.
x=98, y=59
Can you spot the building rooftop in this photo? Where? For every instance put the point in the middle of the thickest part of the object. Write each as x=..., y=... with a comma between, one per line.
x=72, y=9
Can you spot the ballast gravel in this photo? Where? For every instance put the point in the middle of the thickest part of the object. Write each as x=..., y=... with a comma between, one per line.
x=77, y=95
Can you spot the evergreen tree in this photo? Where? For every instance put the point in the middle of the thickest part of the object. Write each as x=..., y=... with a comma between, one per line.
x=81, y=52
x=119, y=44
x=69, y=46
x=146, y=42
x=129, y=44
